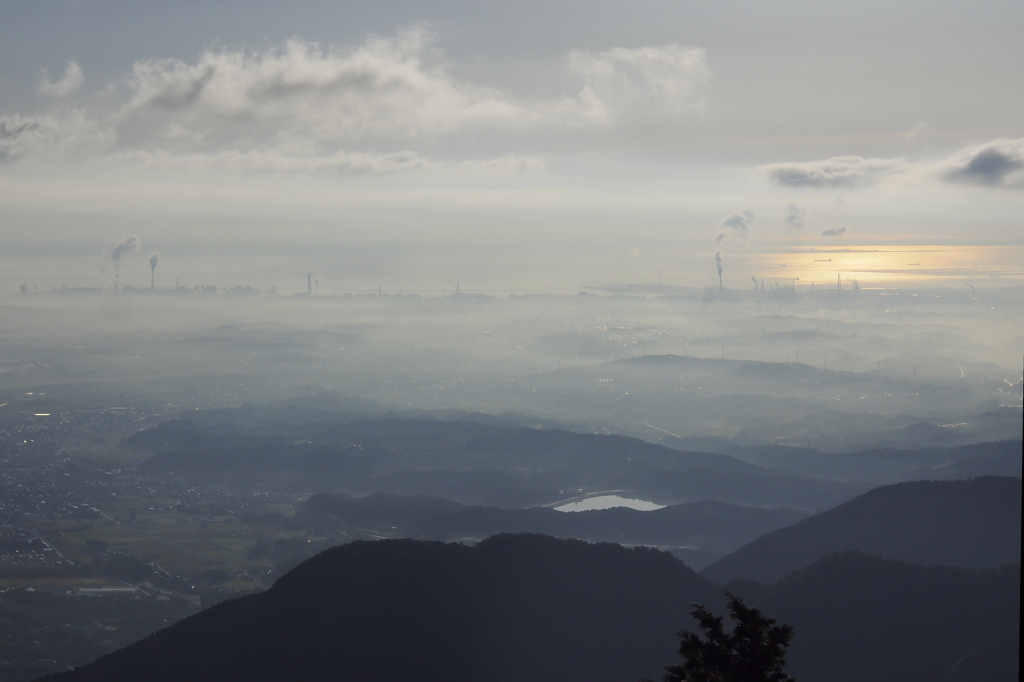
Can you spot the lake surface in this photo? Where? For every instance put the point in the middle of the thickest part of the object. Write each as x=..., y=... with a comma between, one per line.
x=608, y=502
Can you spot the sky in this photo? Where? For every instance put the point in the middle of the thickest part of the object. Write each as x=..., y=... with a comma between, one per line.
x=683, y=127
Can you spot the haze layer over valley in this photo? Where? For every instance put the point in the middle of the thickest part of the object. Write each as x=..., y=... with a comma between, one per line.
x=830, y=370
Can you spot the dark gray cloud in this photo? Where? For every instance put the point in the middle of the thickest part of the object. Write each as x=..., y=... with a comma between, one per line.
x=999, y=163
x=833, y=232
x=838, y=171
x=70, y=133
x=737, y=223
x=124, y=247
x=15, y=131
x=793, y=215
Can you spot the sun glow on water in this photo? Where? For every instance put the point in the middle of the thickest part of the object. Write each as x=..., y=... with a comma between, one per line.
x=886, y=265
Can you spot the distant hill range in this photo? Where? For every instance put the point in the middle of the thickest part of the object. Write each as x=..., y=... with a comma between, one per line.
x=970, y=523
x=696, y=532
x=879, y=465
x=515, y=461
x=529, y=607
x=330, y=443
x=471, y=462
x=762, y=403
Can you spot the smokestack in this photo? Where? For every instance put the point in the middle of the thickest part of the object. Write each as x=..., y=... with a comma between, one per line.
x=309, y=284
x=718, y=264
x=154, y=258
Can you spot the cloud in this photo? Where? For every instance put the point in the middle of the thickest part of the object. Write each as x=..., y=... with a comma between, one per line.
x=511, y=163
x=833, y=232
x=265, y=161
x=999, y=163
x=737, y=223
x=838, y=171
x=72, y=81
x=667, y=79
x=124, y=247
x=47, y=134
x=793, y=215
x=386, y=89
x=272, y=161
x=383, y=88
x=374, y=107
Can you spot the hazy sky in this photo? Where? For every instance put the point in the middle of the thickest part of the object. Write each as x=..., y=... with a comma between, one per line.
x=651, y=123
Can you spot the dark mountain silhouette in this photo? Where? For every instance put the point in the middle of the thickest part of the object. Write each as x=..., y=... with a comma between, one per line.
x=529, y=607
x=974, y=523
x=515, y=607
x=859, y=617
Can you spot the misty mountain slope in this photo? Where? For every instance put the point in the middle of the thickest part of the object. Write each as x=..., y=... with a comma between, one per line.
x=860, y=617
x=837, y=430
x=753, y=402
x=471, y=462
x=886, y=465
x=512, y=608
x=997, y=657
x=973, y=523
x=779, y=380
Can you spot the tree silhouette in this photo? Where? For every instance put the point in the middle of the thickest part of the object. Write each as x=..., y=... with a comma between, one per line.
x=753, y=651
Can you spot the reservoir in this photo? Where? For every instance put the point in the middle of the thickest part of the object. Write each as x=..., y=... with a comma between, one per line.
x=607, y=502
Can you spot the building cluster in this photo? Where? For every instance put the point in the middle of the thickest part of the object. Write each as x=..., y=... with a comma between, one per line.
x=42, y=486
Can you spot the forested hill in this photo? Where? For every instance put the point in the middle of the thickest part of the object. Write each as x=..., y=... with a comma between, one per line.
x=530, y=607
x=468, y=462
x=973, y=523
x=859, y=617
x=515, y=607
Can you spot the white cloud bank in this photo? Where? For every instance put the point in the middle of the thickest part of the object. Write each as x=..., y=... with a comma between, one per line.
x=381, y=89
x=71, y=82
x=371, y=109
x=663, y=80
